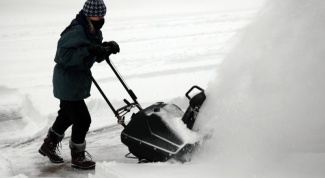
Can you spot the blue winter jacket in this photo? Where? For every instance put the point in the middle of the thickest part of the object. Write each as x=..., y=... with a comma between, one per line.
x=70, y=80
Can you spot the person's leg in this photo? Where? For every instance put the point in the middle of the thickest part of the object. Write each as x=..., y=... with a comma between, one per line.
x=78, y=114
x=55, y=135
x=63, y=121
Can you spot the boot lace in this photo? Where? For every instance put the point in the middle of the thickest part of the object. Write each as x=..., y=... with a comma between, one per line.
x=84, y=156
x=56, y=148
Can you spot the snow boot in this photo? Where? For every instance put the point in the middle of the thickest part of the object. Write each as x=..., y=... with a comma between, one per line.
x=81, y=159
x=51, y=145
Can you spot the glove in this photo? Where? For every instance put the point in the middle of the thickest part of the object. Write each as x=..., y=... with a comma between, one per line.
x=99, y=51
x=114, y=47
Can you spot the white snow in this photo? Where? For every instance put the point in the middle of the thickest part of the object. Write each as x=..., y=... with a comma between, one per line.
x=269, y=97
x=19, y=119
x=264, y=84
x=172, y=116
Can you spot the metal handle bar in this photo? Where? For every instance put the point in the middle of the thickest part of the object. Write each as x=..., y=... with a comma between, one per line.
x=119, y=114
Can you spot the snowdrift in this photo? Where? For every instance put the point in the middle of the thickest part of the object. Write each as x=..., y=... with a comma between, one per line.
x=19, y=121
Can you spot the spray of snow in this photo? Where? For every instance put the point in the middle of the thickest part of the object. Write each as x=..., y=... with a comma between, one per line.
x=172, y=116
x=266, y=105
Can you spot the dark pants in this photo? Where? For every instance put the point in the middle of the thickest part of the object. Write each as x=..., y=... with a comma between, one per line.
x=73, y=113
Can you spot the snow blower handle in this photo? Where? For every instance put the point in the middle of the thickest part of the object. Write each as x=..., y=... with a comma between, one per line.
x=120, y=118
x=189, y=91
x=130, y=92
x=125, y=109
x=120, y=113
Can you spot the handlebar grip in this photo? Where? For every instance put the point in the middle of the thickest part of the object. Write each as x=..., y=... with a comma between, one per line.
x=127, y=102
x=187, y=93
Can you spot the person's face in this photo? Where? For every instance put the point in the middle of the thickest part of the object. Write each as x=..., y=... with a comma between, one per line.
x=97, y=22
x=96, y=18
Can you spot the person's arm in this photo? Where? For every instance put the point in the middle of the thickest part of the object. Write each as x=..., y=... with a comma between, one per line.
x=72, y=51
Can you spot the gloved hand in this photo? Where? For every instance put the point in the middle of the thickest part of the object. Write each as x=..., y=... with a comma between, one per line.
x=99, y=51
x=114, y=47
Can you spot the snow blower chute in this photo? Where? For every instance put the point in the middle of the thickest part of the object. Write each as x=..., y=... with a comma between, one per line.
x=149, y=134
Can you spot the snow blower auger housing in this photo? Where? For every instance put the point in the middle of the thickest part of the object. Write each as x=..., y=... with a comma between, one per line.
x=150, y=135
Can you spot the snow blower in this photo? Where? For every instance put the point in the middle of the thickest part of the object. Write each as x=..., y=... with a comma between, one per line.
x=149, y=135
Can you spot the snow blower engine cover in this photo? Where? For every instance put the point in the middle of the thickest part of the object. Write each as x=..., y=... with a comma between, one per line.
x=162, y=130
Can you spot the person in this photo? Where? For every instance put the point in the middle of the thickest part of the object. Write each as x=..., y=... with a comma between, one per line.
x=72, y=83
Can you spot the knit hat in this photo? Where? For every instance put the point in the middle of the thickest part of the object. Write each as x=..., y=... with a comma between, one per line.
x=94, y=8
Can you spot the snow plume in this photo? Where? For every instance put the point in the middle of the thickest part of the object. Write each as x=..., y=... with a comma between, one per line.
x=172, y=116
x=267, y=104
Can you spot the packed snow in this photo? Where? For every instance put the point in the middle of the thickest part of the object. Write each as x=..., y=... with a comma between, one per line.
x=260, y=65
x=172, y=116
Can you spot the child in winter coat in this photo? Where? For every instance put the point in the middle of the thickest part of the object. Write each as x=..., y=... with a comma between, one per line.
x=72, y=83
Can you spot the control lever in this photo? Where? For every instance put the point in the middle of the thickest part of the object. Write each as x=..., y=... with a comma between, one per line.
x=127, y=102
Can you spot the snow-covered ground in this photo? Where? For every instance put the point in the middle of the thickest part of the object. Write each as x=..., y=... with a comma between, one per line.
x=264, y=84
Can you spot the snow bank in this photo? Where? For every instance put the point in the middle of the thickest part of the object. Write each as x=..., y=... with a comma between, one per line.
x=266, y=106
x=19, y=121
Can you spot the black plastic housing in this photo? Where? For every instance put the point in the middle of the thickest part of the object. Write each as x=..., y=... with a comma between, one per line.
x=150, y=135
